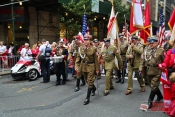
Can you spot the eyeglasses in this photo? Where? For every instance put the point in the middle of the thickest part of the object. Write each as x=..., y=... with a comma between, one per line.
x=151, y=43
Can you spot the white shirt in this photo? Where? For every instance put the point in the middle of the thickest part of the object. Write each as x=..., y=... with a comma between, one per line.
x=26, y=52
x=3, y=49
x=10, y=50
x=42, y=49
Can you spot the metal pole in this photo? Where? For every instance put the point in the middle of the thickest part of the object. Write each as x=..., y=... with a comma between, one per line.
x=13, y=26
x=38, y=24
x=58, y=24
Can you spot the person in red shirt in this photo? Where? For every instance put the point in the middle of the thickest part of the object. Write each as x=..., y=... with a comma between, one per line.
x=171, y=83
x=19, y=49
x=169, y=61
x=35, y=50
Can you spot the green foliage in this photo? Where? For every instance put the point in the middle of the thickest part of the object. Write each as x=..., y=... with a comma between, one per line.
x=75, y=9
x=122, y=10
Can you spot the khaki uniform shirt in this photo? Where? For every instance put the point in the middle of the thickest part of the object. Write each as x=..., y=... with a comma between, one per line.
x=87, y=59
x=152, y=59
x=123, y=49
x=108, y=55
x=136, y=51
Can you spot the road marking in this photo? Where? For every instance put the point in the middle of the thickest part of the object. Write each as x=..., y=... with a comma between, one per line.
x=27, y=89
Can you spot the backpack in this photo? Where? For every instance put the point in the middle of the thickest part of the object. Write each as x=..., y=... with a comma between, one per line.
x=48, y=51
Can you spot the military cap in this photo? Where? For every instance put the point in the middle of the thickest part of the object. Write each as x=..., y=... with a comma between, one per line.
x=87, y=37
x=134, y=38
x=95, y=40
x=153, y=39
x=121, y=35
x=106, y=39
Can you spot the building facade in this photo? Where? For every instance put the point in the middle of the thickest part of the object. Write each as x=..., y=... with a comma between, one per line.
x=38, y=19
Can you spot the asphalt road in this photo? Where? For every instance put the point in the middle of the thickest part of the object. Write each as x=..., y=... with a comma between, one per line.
x=34, y=99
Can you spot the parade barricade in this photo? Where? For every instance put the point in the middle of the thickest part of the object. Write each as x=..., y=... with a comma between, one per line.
x=7, y=62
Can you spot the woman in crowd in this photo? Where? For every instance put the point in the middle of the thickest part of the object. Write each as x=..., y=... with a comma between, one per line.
x=34, y=50
x=53, y=47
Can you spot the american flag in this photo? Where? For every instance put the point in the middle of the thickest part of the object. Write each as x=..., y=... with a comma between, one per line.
x=161, y=34
x=85, y=24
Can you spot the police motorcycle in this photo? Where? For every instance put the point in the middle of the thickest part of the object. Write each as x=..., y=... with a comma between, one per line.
x=29, y=69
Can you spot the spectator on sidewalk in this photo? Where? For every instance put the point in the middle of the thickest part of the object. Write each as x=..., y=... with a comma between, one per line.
x=11, y=55
x=26, y=53
x=3, y=54
x=45, y=51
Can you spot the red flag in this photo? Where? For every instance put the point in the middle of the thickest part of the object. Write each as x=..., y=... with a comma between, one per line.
x=132, y=28
x=147, y=22
x=145, y=33
x=143, y=36
x=172, y=20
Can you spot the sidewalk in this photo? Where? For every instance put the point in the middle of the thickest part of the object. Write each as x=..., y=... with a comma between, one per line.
x=4, y=72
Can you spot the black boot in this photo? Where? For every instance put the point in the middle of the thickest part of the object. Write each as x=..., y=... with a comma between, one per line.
x=151, y=98
x=93, y=90
x=87, y=100
x=159, y=96
x=77, y=85
x=118, y=80
x=122, y=80
x=119, y=77
x=83, y=81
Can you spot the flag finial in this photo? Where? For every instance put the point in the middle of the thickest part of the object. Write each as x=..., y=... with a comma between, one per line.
x=84, y=7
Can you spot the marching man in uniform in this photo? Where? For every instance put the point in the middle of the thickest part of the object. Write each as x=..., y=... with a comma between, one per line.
x=98, y=47
x=73, y=53
x=154, y=56
x=108, y=54
x=134, y=55
x=89, y=65
x=123, y=48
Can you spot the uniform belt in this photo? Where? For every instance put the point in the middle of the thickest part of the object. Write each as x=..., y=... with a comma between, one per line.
x=152, y=65
x=87, y=62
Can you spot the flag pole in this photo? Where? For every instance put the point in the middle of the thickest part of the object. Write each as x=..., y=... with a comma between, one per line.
x=151, y=30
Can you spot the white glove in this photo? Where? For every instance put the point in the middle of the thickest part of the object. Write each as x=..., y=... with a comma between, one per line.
x=62, y=56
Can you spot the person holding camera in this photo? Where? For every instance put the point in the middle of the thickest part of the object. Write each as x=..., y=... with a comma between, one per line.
x=60, y=66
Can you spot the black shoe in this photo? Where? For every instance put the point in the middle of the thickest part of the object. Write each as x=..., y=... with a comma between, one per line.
x=86, y=101
x=122, y=80
x=146, y=83
x=83, y=83
x=63, y=82
x=149, y=104
x=118, y=80
x=57, y=83
x=105, y=94
x=93, y=91
x=76, y=89
x=111, y=88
